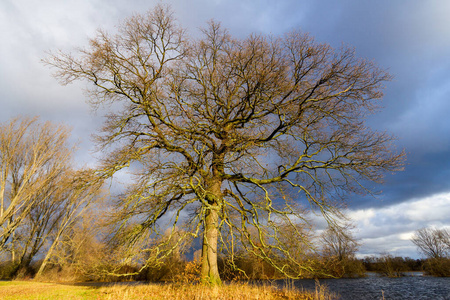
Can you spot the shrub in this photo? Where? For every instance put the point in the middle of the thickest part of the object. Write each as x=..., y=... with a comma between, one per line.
x=439, y=267
x=391, y=266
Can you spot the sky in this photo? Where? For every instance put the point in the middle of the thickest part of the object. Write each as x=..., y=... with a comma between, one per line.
x=410, y=39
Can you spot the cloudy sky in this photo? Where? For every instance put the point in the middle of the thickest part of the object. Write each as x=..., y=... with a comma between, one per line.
x=411, y=39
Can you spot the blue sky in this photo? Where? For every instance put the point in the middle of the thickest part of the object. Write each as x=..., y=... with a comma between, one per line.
x=411, y=39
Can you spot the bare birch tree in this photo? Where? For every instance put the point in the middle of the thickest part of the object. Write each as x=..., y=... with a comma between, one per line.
x=233, y=133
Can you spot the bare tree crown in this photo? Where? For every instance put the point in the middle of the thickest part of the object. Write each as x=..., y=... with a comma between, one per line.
x=433, y=242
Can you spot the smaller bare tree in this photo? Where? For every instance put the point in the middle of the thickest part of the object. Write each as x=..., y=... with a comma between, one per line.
x=432, y=242
x=339, y=247
x=33, y=157
x=339, y=242
x=77, y=192
x=40, y=192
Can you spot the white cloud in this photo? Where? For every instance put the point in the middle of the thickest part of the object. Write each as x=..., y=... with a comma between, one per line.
x=406, y=236
x=389, y=229
x=431, y=209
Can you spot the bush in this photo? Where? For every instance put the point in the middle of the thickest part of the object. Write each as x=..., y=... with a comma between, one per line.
x=439, y=267
x=391, y=266
x=246, y=266
x=13, y=270
x=354, y=268
x=7, y=269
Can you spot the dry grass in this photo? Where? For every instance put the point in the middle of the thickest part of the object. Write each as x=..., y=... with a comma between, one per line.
x=34, y=290
x=15, y=290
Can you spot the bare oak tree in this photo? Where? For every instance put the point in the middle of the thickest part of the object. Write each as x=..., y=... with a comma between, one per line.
x=230, y=134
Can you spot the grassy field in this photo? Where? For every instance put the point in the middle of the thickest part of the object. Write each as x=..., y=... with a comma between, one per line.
x=15, y=290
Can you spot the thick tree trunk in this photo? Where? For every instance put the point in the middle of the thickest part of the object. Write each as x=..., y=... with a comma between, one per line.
x=210, y=271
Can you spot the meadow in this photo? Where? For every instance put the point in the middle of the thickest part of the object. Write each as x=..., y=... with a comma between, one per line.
x=22, y=290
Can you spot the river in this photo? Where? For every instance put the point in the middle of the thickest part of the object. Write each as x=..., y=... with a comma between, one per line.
x=372, y=287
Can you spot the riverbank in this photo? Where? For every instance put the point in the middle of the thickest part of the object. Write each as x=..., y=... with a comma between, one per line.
x=27, y=290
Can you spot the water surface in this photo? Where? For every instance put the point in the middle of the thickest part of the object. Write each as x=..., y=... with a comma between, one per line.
x=372, y=287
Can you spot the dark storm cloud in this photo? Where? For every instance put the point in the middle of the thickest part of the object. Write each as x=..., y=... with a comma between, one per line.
x=412, y=42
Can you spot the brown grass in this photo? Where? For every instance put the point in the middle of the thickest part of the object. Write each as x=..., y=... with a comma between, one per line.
x=236, y=291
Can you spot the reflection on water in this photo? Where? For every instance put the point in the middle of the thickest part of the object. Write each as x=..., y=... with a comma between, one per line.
x=373, y=287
